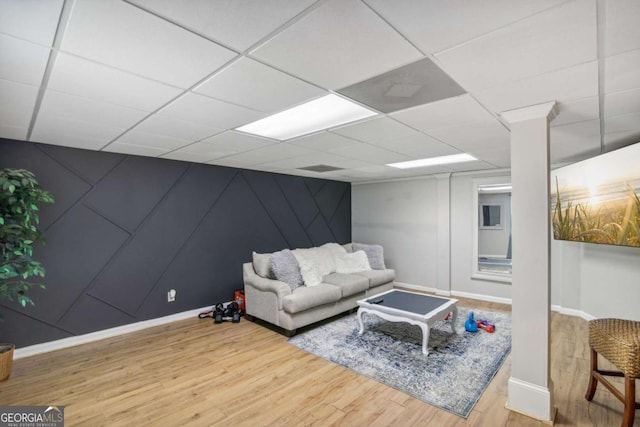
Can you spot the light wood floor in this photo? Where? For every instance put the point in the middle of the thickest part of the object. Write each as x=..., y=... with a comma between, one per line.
x=193, y=372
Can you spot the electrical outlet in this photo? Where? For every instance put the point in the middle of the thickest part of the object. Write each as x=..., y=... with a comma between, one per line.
x=171, y=295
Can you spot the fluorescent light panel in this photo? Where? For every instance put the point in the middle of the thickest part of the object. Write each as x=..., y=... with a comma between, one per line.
x=319, y=114
x=433, y=161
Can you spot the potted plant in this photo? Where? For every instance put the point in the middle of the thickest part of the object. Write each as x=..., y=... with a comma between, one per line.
x=20, y=196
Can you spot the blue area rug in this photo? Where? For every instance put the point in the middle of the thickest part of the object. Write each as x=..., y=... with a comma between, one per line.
x=453, y=375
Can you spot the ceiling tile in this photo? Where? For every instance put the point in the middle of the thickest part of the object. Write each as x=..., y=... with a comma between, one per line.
x=470, y=166
x=380, y=129
x=210, y=112
x=564, y=85
x=433, y=26
x=51, y=128
x=558, y=38
x=231, y=163
x=474, y=136
x=500, y=157
x=40, y=27
x=621, y=139
x=418, y=83
x=258, y=86
x=370, y=154
x=16, y=104
x=323, y=141
x=21, y=61
x=123, y=36
x=204, y=151
x=88, y=110
x=176, y=128
x=622, y=31
x=361, y=45
x=577, y=111
x=270, y=153
x=622, y=72
x=185, y=157
x=446, y=113
x=85, y=78
x=315, y=159
x=623, y=123
x=418, y=146
x=619, y=103
x=236, y=142
x=136, y=150
x=144, y=139
x=575, y=140
x=238, y=23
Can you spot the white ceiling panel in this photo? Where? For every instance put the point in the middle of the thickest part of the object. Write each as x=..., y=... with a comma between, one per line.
x=315, y=159
x=564, y=85
x=577, y=111
x=339, y=43
x=40, y=27
x=204, y=151
x=500, y=157
x=235, y=142
x=622, y=71
x=470, y=166
x=136, y=150
x=252, y=84
x=446, y=113
x=271, y=153
x=323, y=141
x=418, y=146
x=621, y=139
x=622, y=31
x=370, y=154
x=21, y=61
x=123, y=36
x=144, y=139
x=620, y=103
x=80, y=77
x=238, y=23
x=185, y=157
x=624, y=123
x=176, y=128
x=374, y=131
x=16, y=105
x=232, y=162
x=210, y=112
x=558, y=38
x=436, y=25
x=575, y=140
x=478, y=136
x=88, y=110
x=60, y=130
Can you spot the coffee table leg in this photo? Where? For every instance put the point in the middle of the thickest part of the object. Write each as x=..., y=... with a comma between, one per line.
x=454, y=316
x=425, y=338
x=360, y=322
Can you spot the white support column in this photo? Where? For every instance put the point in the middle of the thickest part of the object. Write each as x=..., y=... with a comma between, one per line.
x=530, y=388
x=443, y=277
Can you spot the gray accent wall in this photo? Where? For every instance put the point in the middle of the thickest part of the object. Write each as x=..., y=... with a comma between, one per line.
x=126, y=229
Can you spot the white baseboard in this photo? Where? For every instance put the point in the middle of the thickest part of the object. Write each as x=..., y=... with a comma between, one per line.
x=481, y=297
x=530, y=399
x=416, y=287
x=572, y=312
x=31, y=350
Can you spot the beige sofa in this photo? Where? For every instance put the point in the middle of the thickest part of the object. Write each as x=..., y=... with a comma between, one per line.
x=275, y=302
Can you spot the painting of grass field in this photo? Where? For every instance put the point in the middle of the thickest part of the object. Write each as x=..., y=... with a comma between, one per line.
x=598, y=200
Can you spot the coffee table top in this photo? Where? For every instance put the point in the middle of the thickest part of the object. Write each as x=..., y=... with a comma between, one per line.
x=407, y=302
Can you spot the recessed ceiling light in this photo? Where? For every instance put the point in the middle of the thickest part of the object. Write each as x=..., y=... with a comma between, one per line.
x=432, y=161
x=321, y=113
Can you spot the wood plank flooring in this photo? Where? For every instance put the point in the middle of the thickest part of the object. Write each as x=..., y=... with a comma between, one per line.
x=195, y=373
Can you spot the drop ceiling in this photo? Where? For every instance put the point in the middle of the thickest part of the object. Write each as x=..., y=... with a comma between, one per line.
x=173, y=80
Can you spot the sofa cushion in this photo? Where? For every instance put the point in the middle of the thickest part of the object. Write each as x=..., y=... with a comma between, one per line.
x=374, y=253
x=306, y=297
x=352, y=263
x=261, y=265
x=350, y=284
x=378, y=277
x=285, y=268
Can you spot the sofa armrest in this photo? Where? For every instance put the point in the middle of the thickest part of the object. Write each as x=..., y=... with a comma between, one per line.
x=277, y=287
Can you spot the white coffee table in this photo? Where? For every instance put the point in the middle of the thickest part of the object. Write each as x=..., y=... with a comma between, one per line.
x=410, y=307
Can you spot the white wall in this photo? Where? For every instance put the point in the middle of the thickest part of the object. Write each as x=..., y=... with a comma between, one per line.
x=402, y=217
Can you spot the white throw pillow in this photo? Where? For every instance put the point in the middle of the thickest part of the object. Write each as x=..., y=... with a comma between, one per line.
x=352, y=262
x=309, y=269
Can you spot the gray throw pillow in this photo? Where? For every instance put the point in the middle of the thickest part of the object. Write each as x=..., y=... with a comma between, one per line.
x=374, y=254
x=285, y=268
x=261, y=265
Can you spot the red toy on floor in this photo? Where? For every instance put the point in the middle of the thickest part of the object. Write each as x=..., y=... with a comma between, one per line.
x=484, y=324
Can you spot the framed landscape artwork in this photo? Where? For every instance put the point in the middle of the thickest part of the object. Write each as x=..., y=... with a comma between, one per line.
x=598, y=200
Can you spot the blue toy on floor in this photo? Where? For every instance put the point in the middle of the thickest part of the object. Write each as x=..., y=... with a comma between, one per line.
x=471, y=325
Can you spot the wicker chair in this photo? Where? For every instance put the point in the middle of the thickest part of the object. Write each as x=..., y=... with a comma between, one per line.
x=618, y=341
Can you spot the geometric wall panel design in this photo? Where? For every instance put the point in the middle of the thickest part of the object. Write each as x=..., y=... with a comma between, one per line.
x=126, y=229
